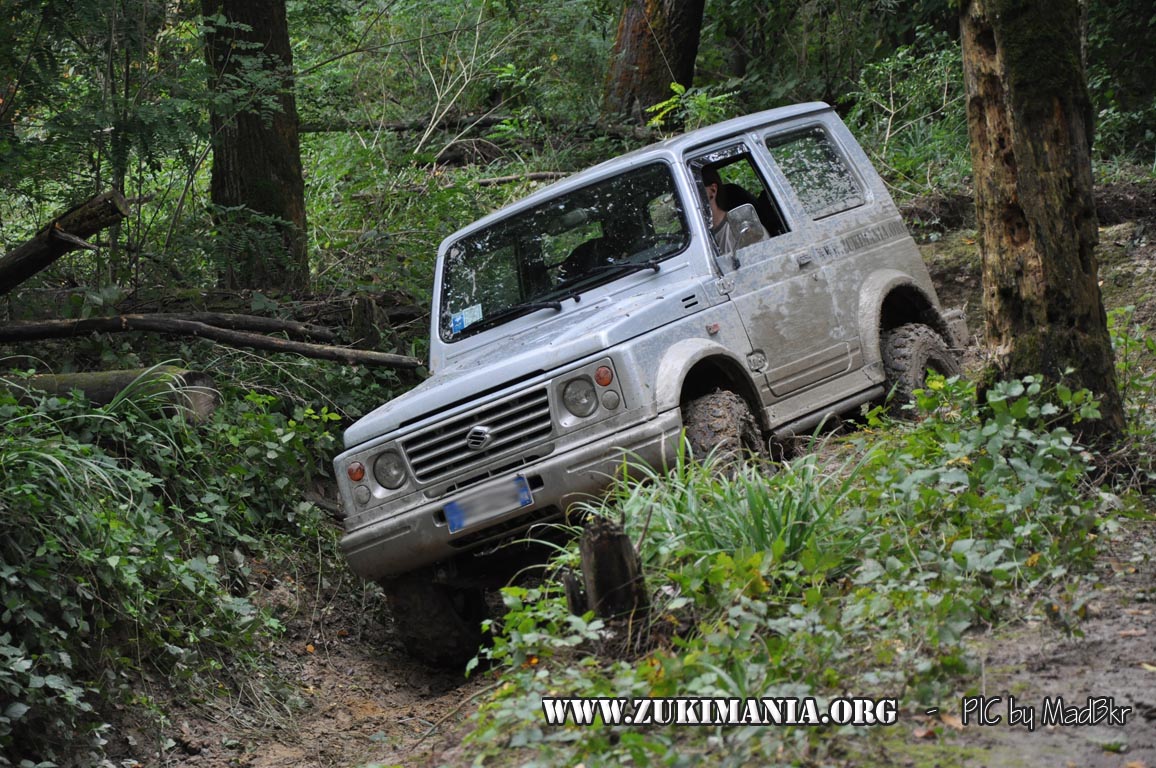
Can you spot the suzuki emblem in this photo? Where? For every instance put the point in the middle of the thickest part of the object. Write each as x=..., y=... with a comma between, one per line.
x=479, y=437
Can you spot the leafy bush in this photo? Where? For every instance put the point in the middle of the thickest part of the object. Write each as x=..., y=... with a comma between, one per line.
x=909, y=114
x=1120, y=73
x=860, y=566
x=692, y=108
x=123, y=535
x=1135, y=352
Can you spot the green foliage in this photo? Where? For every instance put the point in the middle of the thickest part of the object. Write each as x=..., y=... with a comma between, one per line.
x=1122, y=79
x=1135, y=352
x=908, y=112
x=693, y=107
x=101, y=95
x=805, y=50
x=858, y=567
x=124, y=535
x=697, y=507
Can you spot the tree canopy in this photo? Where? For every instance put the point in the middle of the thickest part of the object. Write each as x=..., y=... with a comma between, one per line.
x=98, y=95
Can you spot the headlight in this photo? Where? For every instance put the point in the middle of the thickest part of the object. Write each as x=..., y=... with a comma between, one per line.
x=579, y=397
x=389, y=470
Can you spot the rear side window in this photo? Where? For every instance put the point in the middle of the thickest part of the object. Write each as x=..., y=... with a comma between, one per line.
x=816, y=170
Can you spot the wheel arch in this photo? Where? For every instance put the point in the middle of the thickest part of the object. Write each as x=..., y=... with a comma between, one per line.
x=889, y=299
x=696, y=366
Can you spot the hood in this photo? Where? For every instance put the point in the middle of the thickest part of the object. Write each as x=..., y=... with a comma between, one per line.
x=535, y=346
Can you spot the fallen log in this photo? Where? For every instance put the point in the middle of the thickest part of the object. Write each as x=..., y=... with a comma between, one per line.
x=189, y=392
x=457, y=123
x=255, y=323
x=61, y=329
x=65, y=233
x=494, y=181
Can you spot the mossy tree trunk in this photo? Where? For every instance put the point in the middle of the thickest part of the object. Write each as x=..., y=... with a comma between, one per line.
x=257, y=187
x=1030, y=123
x=656, y=45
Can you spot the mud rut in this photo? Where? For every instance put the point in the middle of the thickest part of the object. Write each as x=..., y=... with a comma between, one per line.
x=354, y=697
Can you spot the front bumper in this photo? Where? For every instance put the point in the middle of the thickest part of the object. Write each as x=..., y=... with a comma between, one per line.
x=421, y=536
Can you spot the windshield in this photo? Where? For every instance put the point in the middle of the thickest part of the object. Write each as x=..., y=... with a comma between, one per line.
x=553, y=251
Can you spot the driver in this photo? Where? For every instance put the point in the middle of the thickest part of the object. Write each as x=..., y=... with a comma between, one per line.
x=723, y=197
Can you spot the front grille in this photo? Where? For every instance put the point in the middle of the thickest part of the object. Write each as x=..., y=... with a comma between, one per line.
x=510, y=424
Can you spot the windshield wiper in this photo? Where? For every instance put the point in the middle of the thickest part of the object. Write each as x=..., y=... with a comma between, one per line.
x=516, y=310
x=632, y=266
x=573, y=288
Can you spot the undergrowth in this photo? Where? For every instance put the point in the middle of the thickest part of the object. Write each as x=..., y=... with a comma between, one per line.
x=859, y=567
x=126, y=535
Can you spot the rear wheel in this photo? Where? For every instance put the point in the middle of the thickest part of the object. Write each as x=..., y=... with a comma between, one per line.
x=721, y=421
x=436, y=623
x=909, y=352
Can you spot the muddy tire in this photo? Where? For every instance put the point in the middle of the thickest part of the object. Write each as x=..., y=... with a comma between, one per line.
x=722, y=422
x=909, y=351
x=437, y=624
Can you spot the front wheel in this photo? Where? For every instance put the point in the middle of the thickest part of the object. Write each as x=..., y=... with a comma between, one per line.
x=722, y=422
x=909, y=352
x=436, y=623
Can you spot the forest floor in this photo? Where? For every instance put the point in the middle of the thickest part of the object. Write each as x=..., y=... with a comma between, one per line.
x=357, y=700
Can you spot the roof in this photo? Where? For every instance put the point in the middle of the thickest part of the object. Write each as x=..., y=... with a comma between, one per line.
x=670, y=150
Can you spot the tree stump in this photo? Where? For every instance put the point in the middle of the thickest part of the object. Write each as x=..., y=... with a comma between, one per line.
x=611, y=571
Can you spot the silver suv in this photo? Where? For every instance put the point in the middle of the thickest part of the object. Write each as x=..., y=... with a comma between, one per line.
x=740, y=282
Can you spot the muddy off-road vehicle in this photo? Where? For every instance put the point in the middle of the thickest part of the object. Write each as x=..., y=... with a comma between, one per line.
x=599, y=318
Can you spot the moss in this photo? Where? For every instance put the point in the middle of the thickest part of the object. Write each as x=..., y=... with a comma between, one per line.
x=1040, y=46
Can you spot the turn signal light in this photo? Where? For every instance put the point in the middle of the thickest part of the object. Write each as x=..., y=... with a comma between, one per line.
x=356, y=471
x=603, y=376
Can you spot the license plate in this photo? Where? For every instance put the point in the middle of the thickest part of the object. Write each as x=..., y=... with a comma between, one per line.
x=462, y=513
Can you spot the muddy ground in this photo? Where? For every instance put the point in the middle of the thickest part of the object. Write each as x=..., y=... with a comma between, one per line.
x=1030, y=661
x=355, y=699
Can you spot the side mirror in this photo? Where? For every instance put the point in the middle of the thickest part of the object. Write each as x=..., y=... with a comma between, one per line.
x=745, y=224
x=746, y=229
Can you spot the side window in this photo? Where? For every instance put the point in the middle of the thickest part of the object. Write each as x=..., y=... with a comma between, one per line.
x=816, y=170
x=740, y=208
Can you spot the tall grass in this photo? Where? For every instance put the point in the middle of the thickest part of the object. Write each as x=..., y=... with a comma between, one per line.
x=792, y=509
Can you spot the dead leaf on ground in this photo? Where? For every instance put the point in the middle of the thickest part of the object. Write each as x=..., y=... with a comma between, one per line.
x=923, y=733
x=1132, y=632
x=951, y=721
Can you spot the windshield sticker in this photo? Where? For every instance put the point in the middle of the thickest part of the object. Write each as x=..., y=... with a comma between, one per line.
x=467, y=316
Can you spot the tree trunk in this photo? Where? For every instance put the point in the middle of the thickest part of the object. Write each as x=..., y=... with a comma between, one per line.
x=257, y=185
x=1030, y=123
x=63, y=234
x=656, y=45
x=254, y=323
